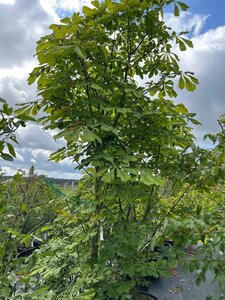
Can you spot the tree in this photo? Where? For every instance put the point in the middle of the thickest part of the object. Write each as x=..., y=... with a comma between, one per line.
x=133, y=142
x=8, y=126
x=27, y=208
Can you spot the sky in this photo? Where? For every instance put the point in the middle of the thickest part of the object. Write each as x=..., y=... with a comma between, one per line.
x=23, y=22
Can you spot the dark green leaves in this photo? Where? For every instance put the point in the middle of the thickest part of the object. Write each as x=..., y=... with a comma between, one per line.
x=11, y=150
x=179, y=5
x=176, y=10
x=6, y=156
x=8, y=125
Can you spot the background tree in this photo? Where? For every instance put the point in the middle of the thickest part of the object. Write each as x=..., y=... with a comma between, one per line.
x=8, y=126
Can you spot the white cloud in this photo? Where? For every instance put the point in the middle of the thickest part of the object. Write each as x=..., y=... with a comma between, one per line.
x=7, y=2
x=187, y=21
x=70, y=5
x=52, y=6
x=33, y=137
x=19, y=157
x=33, y=161
x=207, y=60
x=49, y=6
x=41, y=154
x=8, y=171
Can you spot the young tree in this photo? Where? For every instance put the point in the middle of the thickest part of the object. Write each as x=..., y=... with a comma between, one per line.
x=8, y=126
x=106, y=82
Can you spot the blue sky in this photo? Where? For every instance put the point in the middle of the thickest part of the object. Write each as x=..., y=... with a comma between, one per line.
x=23, y=22
x=214, y=8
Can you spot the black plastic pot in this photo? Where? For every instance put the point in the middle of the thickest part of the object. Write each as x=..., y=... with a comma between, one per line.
x=151, y=297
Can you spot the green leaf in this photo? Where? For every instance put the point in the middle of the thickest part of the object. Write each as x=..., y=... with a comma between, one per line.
x=6, y=156
x=135, y=92
x=194, y=121
x=23, y=109
x=183, y=6
x=88, y=11
x=188, y=42
x=182, y=45
x=176, y=11
x=8, y=110
x=12, y=278
x=95, y=3
x=149, y=179
x=198, y=280
x=88, y=295
x=109, y=176
x=190, y=86
x=46, y=228
x=25, y=117
x=109, y=129
x=180, y=108
x=80, y=53
x=90, y=136
x=2, y=100
x=11, y=150
x=123, y=175
x=6, y=292
x=193, y=79
x=181, y=83
x=96, y=86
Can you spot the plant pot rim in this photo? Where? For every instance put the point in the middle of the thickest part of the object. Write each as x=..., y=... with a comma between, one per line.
x=146, y=293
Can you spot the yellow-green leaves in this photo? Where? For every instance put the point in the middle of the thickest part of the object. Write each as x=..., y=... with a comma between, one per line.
x=80, y=53
x=87, y=11
x=183, y=43
x=126, y=175
x=180, y=108
x=188, y=81
x=7, y=110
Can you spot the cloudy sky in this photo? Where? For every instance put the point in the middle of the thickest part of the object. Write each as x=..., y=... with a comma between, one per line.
x=23, y=22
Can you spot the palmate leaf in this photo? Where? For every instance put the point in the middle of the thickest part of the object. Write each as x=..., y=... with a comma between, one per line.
x=89, y=136
x=87, y=295
x=88, y=11
x=123, y=175
x=6, y=292
x=109, y=176
x=7, y=110
x=149, y=179
x=183, y=6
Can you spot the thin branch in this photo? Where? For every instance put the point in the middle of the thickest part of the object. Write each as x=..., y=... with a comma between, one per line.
x=167, y=214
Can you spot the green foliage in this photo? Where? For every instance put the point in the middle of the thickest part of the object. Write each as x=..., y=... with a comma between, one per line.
x=8, y=125
x=26, y=205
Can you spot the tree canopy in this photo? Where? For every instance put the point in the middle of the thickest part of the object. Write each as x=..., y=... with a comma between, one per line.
x=106, y=82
